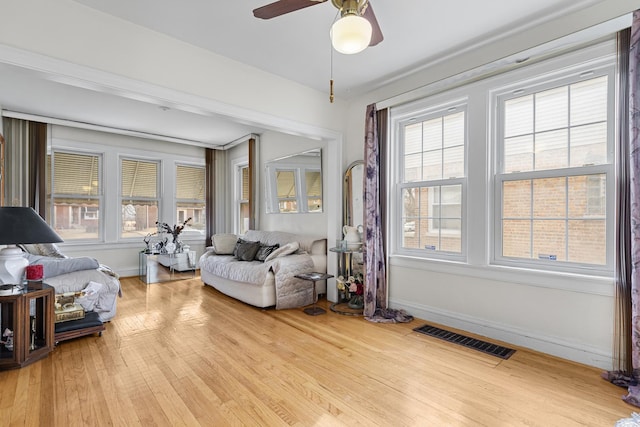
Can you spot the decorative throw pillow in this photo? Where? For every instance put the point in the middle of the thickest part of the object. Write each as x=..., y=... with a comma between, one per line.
x=224, y=244
x=285, y=250
x=265, y=250
x=44, y=249
x=246, y=251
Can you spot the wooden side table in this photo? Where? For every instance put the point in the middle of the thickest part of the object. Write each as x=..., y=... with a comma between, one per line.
x=29, y=315
x=314, y=310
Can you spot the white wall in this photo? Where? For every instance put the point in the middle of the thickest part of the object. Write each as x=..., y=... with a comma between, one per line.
x=529, y=311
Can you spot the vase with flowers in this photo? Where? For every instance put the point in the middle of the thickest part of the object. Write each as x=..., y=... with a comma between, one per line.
x=175, y=245
x=351, y=289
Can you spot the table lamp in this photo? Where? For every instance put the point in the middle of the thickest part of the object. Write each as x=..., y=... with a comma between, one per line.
x=20, y=225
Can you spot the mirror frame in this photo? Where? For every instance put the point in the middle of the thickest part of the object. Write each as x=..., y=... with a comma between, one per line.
x=285, y=163
x=350, y=193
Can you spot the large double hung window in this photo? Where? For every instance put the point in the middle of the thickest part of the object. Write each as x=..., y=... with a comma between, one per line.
x=432, y=182
x=554, y=141
x=75, y=192
x=139, y=199
x=190, y=195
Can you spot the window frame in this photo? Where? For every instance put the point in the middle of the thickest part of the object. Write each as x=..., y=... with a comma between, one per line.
x=237, y=168
x=158, y=199
x=427, y=109
x=536, y=84
x=99, y=196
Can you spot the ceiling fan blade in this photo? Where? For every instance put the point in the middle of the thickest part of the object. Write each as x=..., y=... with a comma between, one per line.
x=283, y=6
x=376, y=34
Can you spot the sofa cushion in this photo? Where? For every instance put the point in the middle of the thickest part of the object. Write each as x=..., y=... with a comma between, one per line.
x=264, y=251
x=246, y=251
x=285, y=250
x=224, y=244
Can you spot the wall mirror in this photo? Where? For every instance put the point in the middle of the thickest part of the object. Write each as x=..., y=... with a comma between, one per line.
x=294, y=183
x=353, y=206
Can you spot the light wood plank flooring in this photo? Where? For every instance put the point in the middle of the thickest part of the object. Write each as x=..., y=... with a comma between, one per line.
x=182, y=354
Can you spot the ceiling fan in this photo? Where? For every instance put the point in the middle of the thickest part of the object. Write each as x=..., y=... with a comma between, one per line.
x=350, y=34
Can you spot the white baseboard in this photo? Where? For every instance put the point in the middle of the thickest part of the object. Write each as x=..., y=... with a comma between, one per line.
x=556, y=346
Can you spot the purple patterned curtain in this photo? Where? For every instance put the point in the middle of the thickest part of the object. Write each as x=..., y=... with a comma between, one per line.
x=374, y=257
x=375, y=276
x=628, y=252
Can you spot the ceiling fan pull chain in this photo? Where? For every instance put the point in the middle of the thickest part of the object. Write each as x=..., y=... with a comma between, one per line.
x=330, y=73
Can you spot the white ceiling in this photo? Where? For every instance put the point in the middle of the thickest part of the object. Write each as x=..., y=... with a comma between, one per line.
x=295, y=46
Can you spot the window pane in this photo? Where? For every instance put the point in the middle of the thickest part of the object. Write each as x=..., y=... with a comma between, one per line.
x=516, y=238
x=76, y=174
x=549, y=240
x=518, y=116
x=432, y=134
x=244, y=217
x=589, y=145
x=518, y=154
x=195, y=211
x=413, y=168
x=589, y=101
x=190, y=182
x=76, y=195
x=587, y=196
x=552, y=108
x=431, y=165
x=75, y=218
x=413, y=138
x=139, y=218
x=286, y=184
x=552, y=150
x=586, y=242
x=516, y=200
x=550, y=198
x=313, y=181
x=453, y=163
x=453, y=130
x=139, y=179
x=244, y=173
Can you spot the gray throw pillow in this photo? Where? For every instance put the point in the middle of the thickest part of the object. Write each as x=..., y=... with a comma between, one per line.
x=265, y=250
x=246, y=251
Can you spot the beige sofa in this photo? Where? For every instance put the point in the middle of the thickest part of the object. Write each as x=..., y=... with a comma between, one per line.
x=271, y=282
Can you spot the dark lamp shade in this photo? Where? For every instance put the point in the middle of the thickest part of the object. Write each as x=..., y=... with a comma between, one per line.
x=24, y=225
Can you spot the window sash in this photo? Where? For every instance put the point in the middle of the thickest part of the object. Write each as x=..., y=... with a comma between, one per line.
x=139, y=200
x=570, y=233
x=426, y=141
x=74, y=186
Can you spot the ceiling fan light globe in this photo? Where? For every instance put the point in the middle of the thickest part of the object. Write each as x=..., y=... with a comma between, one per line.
x=351, y=34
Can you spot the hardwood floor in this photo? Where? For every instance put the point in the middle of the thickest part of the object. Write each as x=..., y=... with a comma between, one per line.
x=182, y=354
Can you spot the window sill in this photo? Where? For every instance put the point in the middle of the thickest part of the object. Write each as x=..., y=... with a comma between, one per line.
x=596, y=285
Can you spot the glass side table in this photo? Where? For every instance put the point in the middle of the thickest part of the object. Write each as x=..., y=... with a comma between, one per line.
x=314, y=310
x=155, y=268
